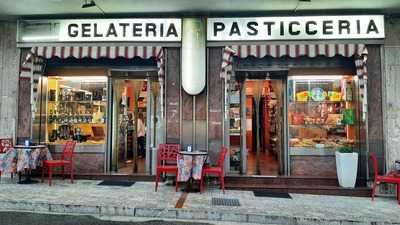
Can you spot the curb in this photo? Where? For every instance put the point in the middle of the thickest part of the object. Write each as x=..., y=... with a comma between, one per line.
x=172, y=213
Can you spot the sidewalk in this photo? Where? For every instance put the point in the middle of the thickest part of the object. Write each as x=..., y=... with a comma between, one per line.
x=140, y=200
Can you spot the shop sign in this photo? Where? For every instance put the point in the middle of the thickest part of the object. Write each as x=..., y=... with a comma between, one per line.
x=100, y=30
x=296, y=28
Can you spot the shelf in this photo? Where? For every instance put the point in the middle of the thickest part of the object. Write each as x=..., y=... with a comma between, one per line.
x=83, y=102
x=332, y=102
x=77, y=123
x=316, y=125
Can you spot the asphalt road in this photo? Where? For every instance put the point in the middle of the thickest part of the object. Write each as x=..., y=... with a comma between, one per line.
x=25, y=218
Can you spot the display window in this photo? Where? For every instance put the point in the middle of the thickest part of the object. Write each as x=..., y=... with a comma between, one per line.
x=76, y=109
x=321, y=113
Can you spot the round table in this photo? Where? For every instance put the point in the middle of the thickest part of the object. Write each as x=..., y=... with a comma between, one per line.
x=28, y=172
x=29, y=147
x=193, y=153
x=189, y=184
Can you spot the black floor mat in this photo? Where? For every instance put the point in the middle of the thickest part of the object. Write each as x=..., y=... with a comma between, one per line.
x=116, y=183
x=271, y=194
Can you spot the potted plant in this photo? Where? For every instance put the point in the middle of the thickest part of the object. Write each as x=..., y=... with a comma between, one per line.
x=346, y=166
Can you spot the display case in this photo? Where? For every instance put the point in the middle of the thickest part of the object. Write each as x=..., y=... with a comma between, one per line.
x=234, y=126
x=321, y=114
x=76, y=109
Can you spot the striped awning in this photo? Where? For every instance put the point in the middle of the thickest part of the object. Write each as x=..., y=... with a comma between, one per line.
x=297, y=50
x=92, y=52
x=97, y=52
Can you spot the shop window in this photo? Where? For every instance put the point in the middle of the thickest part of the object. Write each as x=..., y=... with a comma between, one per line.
x=321, y=114
x=76, y=109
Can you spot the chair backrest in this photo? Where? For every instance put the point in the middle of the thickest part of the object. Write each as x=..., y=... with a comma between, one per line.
x=374, y=164
x=168, y=152
x=68, y=150
x=5, y=144
x=221, y=158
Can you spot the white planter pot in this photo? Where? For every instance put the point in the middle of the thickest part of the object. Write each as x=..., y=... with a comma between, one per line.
x=346, y=167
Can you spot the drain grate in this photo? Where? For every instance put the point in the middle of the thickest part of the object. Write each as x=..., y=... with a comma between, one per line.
x=225, y=201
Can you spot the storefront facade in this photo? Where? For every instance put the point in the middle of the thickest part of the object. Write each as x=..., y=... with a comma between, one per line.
x=288, y=80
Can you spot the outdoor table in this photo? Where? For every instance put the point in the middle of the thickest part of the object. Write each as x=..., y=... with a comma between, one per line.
x=190, y=165
x=23, y=158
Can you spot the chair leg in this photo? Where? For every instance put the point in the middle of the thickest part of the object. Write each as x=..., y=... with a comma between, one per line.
x=50, y=172
x=398, y=193
x=157, y=179
x=72, y=174
x=373, y=191
x=222, y=181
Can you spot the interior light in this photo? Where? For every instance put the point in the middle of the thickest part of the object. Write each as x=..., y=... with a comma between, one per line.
x=312, y=77
x=84, y=79
x=38, y=38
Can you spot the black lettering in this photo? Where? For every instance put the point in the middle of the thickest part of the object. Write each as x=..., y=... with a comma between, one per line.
x=344, y=25
x=291, y=32
x=358, y=27
x=308, y=28
x=172, y=30
x=218, y=26
x=111, y=31
x=372, y=27
x=269, y=25
x=151, y=27
x=327, y=27
x=95, y=31
x=234, y=29
x=282, y=29
x=251, y=26
x=85, y=29
x=72, y=33
x=162, y=30
x=137, y=29
x=123, y=25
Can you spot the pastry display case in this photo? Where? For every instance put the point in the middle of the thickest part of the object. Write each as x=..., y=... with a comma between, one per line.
x=321, y=114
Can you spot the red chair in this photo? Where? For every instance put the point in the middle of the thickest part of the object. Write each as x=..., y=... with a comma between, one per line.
x=5, y=145
x=390, y=178
x=67, y=160
x=219, y=170
x=167, y=153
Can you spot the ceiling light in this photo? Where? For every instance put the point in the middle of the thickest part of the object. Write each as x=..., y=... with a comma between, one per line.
x=89, y=4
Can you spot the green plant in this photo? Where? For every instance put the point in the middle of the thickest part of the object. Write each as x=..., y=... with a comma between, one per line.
x=345, y=149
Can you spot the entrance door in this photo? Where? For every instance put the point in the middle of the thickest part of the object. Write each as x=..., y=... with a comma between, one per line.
x=133, y=113
x=262, y=108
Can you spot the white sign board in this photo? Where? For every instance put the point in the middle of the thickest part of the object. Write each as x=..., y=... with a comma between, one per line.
x=101, y=30
x=295, y=28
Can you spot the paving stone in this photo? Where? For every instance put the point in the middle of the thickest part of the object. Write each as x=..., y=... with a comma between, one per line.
x=157, y=213
x=234, y=217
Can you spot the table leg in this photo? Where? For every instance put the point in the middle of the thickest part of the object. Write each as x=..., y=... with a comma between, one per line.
x=28, y=176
